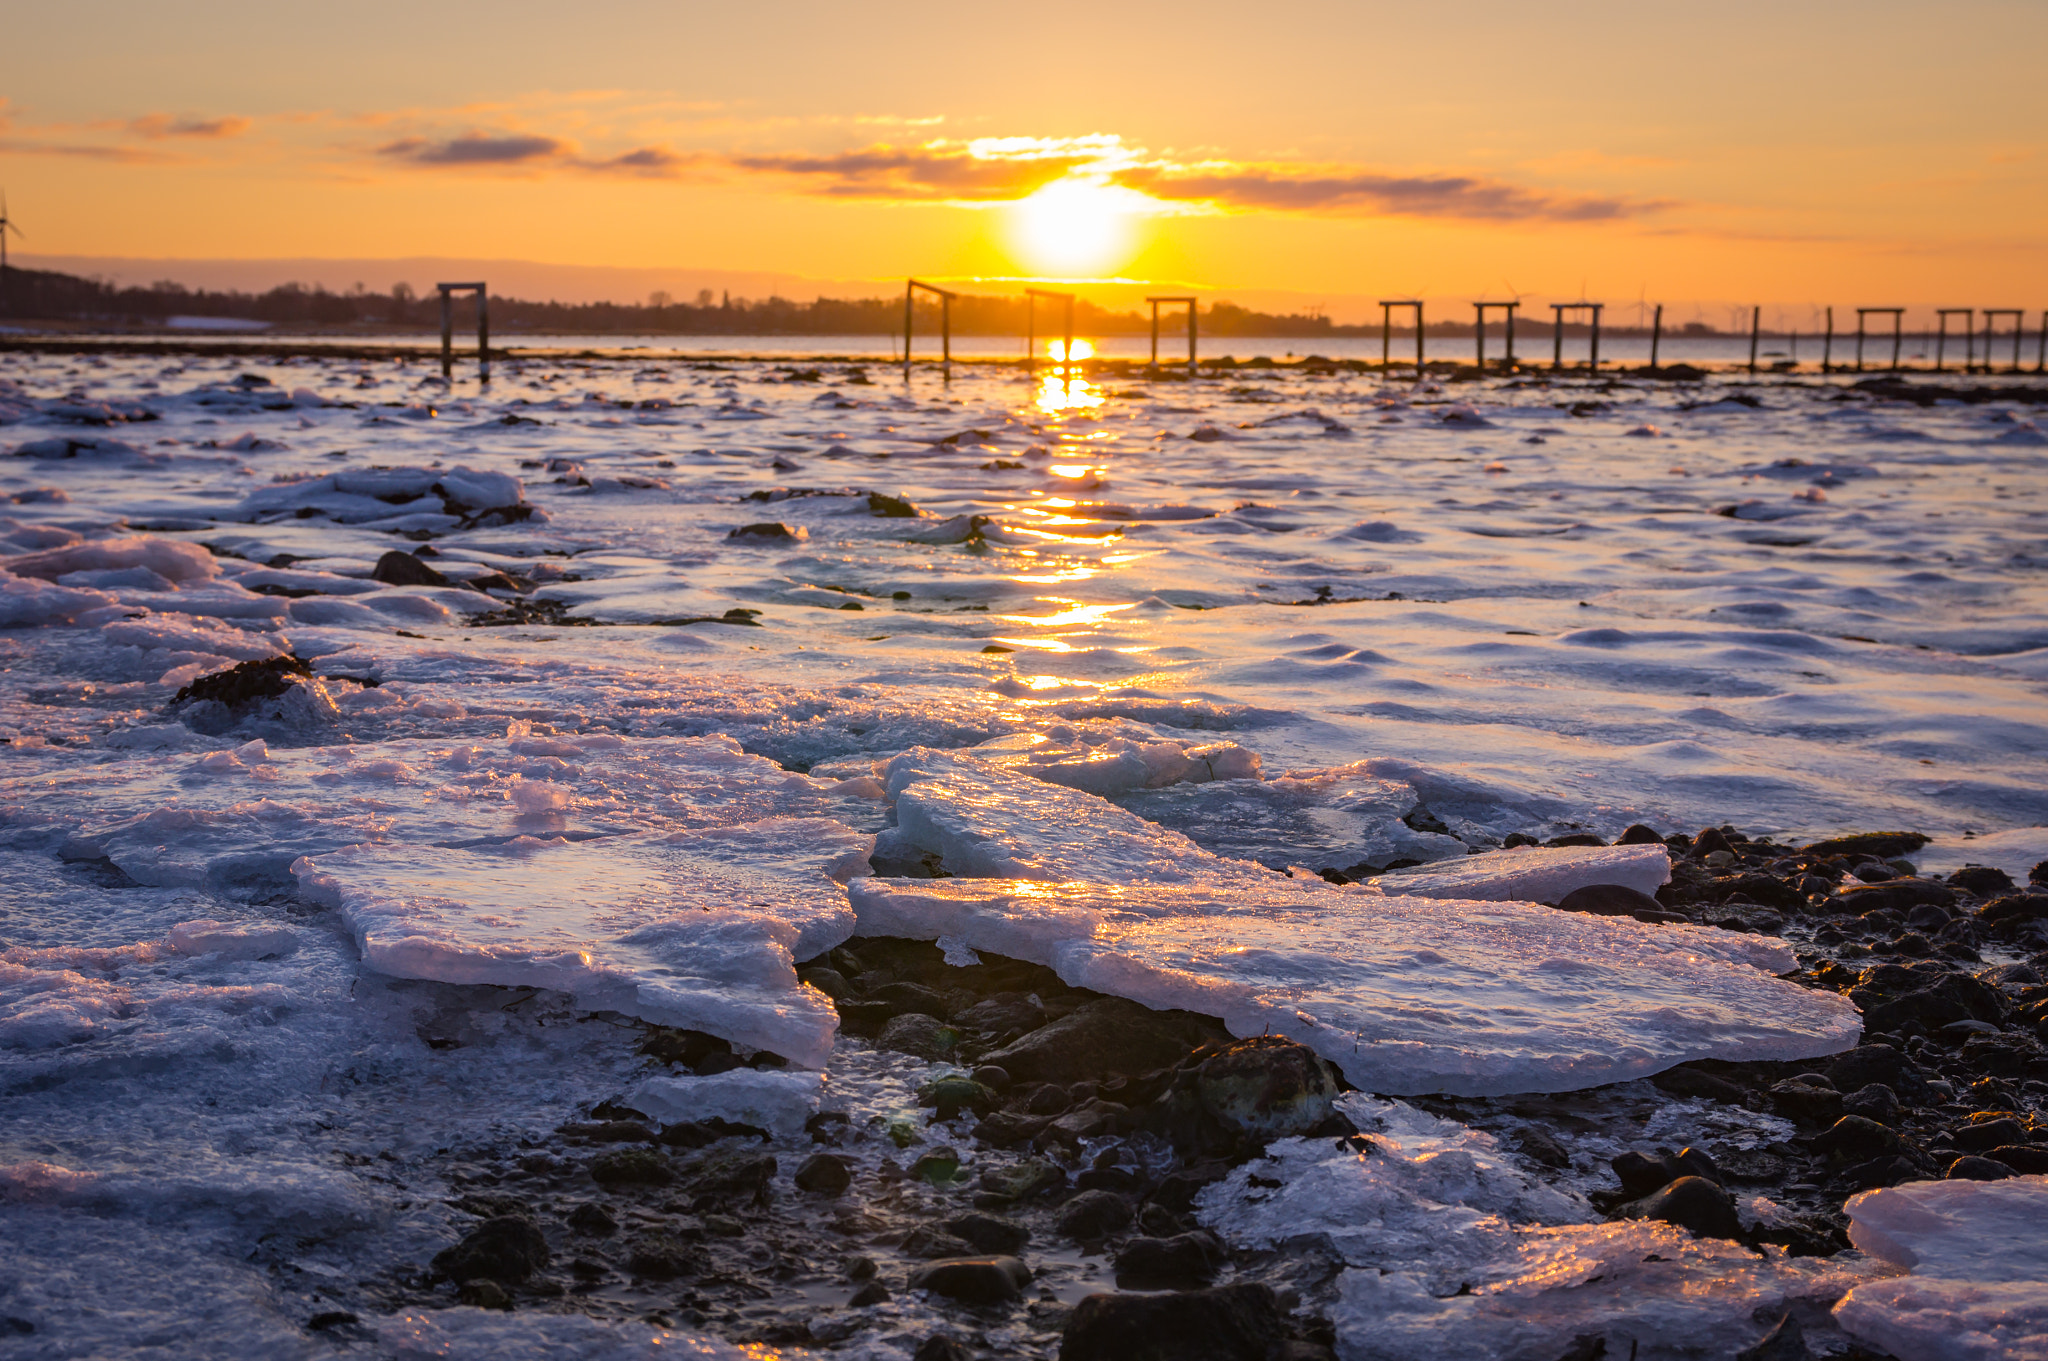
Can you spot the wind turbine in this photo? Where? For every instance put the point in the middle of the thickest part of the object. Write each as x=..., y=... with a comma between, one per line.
x=6, y=226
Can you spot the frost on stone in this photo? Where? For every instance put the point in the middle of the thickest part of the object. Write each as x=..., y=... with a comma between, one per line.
x=775, y=1100
x=1978, y=1259
x=699, y=929
x=985, y=821
x=1405, y=995
x=1534, y=874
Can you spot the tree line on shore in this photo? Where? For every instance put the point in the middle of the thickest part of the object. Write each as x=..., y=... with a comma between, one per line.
x=46, y=295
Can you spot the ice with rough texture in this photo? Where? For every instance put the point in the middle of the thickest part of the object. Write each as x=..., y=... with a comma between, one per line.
x=1451, y=1249
x=699, y=929
x=1977, y=1252
x=770, y=1099
x=985, y=821
x=1532, y=874
x=1406, y=995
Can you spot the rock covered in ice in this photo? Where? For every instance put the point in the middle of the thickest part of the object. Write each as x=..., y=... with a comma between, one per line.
x=771, y=1099
x=1405, y=995
x=1533, y=874
x=699, y=929
x=369, y=496
x=1978, y=1256
x=984, y=821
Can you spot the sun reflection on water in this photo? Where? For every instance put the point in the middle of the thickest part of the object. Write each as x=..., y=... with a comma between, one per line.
x=1063, y=390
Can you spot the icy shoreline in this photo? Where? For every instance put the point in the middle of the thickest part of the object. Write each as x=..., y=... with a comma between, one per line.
x=437, y=818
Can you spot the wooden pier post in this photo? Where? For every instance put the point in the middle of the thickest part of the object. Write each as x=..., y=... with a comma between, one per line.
x=1155, y=332
x=945, y=296
x=1656, y=332
x=483, y=328
x=1191, y=304
x=447, y=334
x=1827, y=344
x=1756, y=322
x=909, y=313
x=1941, y=315
x=1556, y=336
x=1387, y=306
x=2019, y=326
x=483, y=334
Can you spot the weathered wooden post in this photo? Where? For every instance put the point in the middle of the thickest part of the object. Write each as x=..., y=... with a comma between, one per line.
x=2041, y=355
x=1387, y=306
x=945, y=296
x=447, y=333
x=2019, y=321
x=1595, y=355
x=1557, y=311
x=1942, y=314
x=1190, y=301
x=1656, y=333
x=483, y=328
x=1827, y=345
x=1898, y=316
x=1756, y=322
x=1508, y=332
x=483, y=333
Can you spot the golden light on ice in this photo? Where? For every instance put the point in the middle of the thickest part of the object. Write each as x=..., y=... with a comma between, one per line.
x=1073, y=228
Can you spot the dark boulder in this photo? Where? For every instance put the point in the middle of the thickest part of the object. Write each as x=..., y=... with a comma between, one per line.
x=1267, y=1088
x=974, y=1280
x=1974, y=1168
x=1230, y=1323
x=1883, y=845
x=1929, y=995
x=988, y=1233
x=1608, y=900
x=1854, y=1139
x=918, y=1035
x=1641, y=1173
x=1685, y=1080
x=824, y=1174
x=1638, y=835
x=1983, y=880
x=592, y=1219
x=1695, y=1204
x=403, y=569
x=507, y=1250
x=1873, y=1102
x=1101, y=1038
x=1184, y=1261
x=664, y=1257
x=1982, y=1135
x=1900, y=895
x=1093, y=1215
x=1806, y=1103
x=631, y=1167
x=2015, y=907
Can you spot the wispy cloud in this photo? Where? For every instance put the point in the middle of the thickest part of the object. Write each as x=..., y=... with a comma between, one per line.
x=529, y=152
x=157, y=126
x=85, y=151
x=1229, y=186
x=992, y=170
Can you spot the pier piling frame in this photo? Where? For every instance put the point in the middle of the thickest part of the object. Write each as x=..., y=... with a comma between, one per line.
x=1507, y=309
x=1175, y=301
x=945, y=297
x=1941, y=316
x=2019, y=324
x=1387, y=306
x=1557, y=311
x=1067, y=362
x=1898, y=316
x=483, y=328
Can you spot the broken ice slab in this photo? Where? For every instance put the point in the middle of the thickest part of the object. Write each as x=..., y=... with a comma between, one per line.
x=1648, y=1290
x=1533, y=874
x=699, y=928
x=775, y=1100
x=1120, y=764
x=1405, y=995
x=985, y=821
x=1979, y=1263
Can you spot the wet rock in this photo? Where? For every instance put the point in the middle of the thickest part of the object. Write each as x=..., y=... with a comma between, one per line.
x=1638, y=835
x=631, y=1167
x=873, y=1292
x=1694, y=1204
x=952, y=1095
x=592, y=1219
x=690, y=1048
x=1752, y=1166
x=1866, y=1064
x=483, y=1293
x=1229, y=1323
x=2014, y=908
x=704, y=1133
x=890, y=507
x=1806, y=1103
x=931, y=1241
x=507, y=1250
x=1854, y=1139
x=403, y=569
x=1883, y=1171
x=1711, y=840
x=1103, y=1037
x=1267, y=1088
x=824, y=1174
x=1182, y=1262
x=1874, y=1102
x=992, y=1077
x=1893, y=996
x=939, y=1167
x=2029, y=1160
x=1688, y=1081
x=939, y=1347
x=1900, y=895
x=770, y=531
x=1975, y=1168
x=1980, y=1135
x=1538, y=1146
x=919, y=1035
x=974, y=1280
x=1003, y=1014
x=1093, y=1215
x=1022, y=1182
x=1883, y=845
x=1785, y=1342
x=1642, y=1174
x=734, y=1174
x=988, y=1233
x=664, y=1257
x=1609, y=900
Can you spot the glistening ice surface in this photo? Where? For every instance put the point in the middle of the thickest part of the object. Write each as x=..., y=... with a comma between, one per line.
x=688, y=647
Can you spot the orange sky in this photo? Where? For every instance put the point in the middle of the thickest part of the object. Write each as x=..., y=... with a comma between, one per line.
x=1791, y=154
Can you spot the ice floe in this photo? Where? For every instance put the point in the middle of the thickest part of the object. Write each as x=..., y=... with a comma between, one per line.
x=1405, y=995
x=1977, y=1254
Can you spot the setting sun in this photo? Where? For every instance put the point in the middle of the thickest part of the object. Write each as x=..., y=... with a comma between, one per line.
x=1073, y=228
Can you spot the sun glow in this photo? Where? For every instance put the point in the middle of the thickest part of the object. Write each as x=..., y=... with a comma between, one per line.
x=1074, y=228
